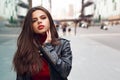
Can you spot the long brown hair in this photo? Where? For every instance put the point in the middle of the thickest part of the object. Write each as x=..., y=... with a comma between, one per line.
x=27, y=53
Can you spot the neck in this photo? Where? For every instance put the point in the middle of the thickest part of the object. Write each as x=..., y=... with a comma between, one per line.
x=42, y=38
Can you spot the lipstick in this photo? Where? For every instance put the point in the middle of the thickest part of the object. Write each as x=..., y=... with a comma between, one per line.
x=40, y=27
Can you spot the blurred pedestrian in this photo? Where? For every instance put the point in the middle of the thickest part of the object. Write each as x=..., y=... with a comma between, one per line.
x=41, y=54
x=57, y=27
x=103, y=26
x=69, y=30
x=64, y=26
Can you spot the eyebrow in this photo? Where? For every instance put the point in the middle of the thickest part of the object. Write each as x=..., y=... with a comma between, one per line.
x=40, y=16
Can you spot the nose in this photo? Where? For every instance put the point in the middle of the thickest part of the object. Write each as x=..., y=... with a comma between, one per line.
x=39, y=21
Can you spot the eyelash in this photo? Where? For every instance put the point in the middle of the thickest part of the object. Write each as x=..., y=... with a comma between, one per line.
x=41, y=18
x=34, y=20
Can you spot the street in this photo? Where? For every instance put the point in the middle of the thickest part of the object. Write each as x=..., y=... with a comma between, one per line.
x=96, y=53
x=94, y=61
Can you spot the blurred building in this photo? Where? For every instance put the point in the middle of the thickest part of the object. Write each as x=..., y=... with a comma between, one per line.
x=70, y=11
x=107, y=9
x=86, y=12
x=22, y=8
x=13, y=10
x=24, y=5
x=8, y=9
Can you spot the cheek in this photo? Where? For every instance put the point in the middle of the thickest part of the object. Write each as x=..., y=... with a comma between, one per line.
x=47, y=27
x=34, y=27
x=48, y=24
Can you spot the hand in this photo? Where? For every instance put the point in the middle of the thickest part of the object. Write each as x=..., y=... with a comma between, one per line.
x=48, y=39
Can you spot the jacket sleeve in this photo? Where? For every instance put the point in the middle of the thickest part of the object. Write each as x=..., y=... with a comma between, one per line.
x=62, y=64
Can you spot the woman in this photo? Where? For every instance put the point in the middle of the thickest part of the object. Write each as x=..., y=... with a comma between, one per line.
x=41, y=54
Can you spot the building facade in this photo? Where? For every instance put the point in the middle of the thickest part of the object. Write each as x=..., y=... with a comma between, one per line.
x=8, y=9
x=22, y=8
x=13, y=10
x=105, y=9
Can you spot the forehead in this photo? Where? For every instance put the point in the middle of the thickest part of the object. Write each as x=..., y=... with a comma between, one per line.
x=38, y=13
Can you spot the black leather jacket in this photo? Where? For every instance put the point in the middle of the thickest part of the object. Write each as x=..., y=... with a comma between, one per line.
x=59, y=58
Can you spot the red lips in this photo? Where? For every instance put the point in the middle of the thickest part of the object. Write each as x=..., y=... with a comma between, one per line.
x=40, y=27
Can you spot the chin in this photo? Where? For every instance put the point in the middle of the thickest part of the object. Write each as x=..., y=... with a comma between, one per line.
x=41, y=32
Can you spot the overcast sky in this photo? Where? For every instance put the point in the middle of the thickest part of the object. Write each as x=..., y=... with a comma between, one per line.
x=59, y=7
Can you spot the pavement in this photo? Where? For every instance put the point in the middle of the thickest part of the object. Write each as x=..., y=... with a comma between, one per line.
x=91, y=60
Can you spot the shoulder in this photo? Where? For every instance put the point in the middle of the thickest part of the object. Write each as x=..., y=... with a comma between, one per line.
x=65, y=44
x=63, y=40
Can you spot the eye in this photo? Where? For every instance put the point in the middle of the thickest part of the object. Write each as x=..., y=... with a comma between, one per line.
x=34, y=20
x=43, y=17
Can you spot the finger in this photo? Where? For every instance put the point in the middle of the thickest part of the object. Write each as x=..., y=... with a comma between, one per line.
x=48, y=39
x=48, y=33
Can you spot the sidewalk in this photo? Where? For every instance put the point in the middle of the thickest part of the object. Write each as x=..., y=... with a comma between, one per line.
x=91, y=60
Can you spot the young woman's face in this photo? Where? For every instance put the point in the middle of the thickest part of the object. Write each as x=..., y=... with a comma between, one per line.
x=40, y=22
